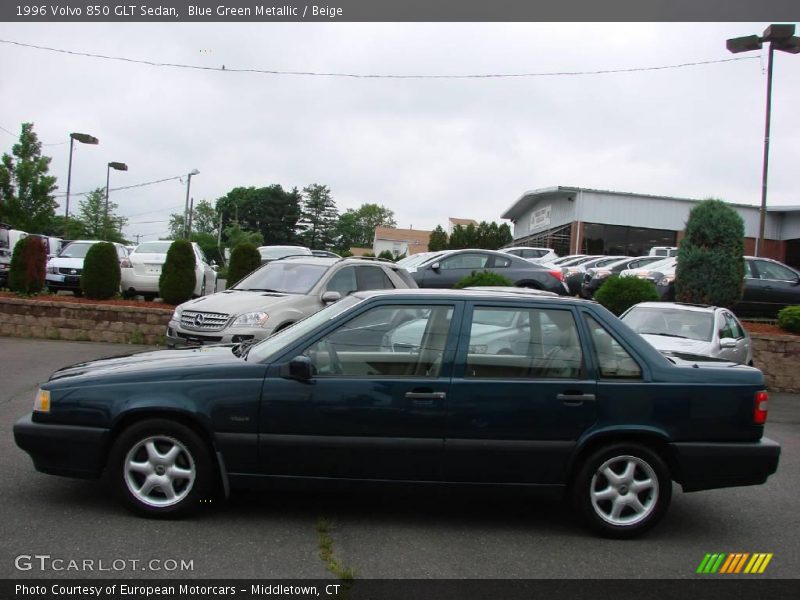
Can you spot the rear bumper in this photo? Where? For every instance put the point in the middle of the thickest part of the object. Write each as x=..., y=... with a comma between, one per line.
x=67, y=450
x=130, y=280
x=706, y=466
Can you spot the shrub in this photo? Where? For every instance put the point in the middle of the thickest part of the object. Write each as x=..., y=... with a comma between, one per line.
x=244, y=260
x=28, y=264
x=710, y=260
x=483, y=278
x=618, y=294
x=177, y=281
x=387, y=254
x=101, y=276
x=789, y=319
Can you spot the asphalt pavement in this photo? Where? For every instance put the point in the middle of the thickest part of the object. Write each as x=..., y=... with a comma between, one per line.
x=378, y=534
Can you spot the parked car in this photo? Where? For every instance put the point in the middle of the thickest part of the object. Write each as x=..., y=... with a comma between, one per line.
x=8, y=239
x=574, y=274
x=651, y=272
x=584, y=406
x=691, y=329
x=141, y=271
x=269, y=253
x=449, y=269
x=663, y=251
x=324, y=254
x=276, y=295
x=535, y=255
x=64, y=271
x=410, y=263
x=563, y=261
x=595, y=277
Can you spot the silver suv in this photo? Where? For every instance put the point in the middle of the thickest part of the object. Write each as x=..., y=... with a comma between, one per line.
x=276, y=295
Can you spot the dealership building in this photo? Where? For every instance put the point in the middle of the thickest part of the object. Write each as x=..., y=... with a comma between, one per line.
x=574, y=220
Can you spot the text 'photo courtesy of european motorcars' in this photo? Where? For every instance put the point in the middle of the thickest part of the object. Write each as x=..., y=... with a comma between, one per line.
x=414, y=387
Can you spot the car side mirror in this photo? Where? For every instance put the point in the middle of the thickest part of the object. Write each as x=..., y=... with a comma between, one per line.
x=331, y=297
x=299, y=368
x=727, y=343
x=436, y=266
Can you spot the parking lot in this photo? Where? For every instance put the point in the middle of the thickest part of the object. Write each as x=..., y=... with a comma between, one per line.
x=377, y=534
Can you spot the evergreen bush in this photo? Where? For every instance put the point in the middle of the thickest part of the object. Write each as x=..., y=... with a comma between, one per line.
x=711, y=256
x=789, y=319
x=483, y=278
x=245, y=259
x=101, y=275
x=387, y=254
x=28, y=264
x=618, y=294
x=178, y=280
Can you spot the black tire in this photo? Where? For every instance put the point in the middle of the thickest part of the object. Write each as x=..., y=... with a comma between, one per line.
x=631, y=518
x=192, y=461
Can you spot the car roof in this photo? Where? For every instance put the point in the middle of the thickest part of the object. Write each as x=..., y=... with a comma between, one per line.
x=465, y=294
x=680, y=305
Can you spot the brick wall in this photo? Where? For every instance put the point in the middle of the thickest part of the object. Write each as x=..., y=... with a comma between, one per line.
x=82, y=322
x=778, y=356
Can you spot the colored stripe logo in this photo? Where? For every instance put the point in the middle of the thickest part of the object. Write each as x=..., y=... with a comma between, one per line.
x=735, y=563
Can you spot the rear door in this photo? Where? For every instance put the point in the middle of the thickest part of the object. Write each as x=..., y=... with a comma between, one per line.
x=521, y=396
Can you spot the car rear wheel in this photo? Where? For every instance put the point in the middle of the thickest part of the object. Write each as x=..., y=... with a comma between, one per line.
x=622, y=490
x=161, y=468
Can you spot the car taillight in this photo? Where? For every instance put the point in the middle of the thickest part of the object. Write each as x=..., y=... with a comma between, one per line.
x=760, y=403
x=557, y=274
x=125, y=263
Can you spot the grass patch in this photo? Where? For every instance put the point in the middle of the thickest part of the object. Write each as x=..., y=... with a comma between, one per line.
x=137, y=337
x=328, y=556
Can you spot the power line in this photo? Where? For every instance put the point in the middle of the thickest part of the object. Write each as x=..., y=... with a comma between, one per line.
x=43, y=144
x=125, y=187
x=227, y=69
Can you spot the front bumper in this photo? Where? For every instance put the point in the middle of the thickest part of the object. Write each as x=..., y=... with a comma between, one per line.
x=178, y=337
x=706, y=466
x=67, y=450
x=63, y=282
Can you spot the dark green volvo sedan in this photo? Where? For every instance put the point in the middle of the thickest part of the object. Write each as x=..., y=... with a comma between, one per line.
x=414, y=386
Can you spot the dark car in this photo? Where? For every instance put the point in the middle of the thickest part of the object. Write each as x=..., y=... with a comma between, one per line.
x=574, y=274
x=596, y=276
x=768, y=287
x=448, y=270
x=579, y=405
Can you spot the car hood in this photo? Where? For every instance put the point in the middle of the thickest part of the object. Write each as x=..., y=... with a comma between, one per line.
x=152, y=362
x=665, y=343
x=233, y=302
x=66, y=263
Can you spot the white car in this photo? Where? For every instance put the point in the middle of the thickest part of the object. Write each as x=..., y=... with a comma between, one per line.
x=64, y=271
x=269, y=253
x=141, y=270
x=674, y=328
x=535, y=255
x=651, y=272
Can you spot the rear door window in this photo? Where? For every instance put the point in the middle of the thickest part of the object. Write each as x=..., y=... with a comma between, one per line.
x=373, y=278
x=613, y=361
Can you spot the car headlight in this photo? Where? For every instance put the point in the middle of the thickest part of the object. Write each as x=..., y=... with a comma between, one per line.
x=53, y=270
x=666, y=280
x=176, y=316
x=253, y=319
x=42, y=401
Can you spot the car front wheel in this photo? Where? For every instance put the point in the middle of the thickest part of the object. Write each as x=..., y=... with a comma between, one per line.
x=161, y=468
x=622, y=490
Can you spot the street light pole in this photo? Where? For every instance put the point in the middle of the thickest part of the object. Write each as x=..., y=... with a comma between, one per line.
x=780, y=37
x=119, y=167
x=186, y=207
x=84, y=138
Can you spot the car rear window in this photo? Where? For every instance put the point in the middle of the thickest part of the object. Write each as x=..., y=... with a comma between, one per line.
x=153, y=247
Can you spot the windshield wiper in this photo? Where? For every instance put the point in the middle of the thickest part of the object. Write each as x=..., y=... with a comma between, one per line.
x=675, y=335
x=242, y=348
x=266, y=290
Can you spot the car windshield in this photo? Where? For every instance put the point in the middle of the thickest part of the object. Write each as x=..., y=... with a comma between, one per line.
x=75, y=250
x=266, y=349
x=275, y=252
x=3, y=237
x=671, y=322
x=288, y=276
x=161, y=247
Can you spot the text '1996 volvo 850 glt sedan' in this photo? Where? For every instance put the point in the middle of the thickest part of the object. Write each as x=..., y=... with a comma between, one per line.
x=442, y=387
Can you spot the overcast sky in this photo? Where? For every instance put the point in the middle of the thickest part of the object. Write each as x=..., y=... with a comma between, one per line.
x=427, y=149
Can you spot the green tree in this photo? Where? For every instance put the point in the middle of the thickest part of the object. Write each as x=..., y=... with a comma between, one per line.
x=178, y=280
x=318, y=218
x=101, y=273
x=438, y=240
x=26, y=189
x=458, y=238
x=271, y=211
x=236, y=236
x=244, y=260
x=504, y=235
x=205, y=219
x=711, y=257
x=26, y=272
x=97, y=225
x=356, y=228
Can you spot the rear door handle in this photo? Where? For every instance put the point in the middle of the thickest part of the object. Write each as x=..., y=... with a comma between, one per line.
x=575, y=399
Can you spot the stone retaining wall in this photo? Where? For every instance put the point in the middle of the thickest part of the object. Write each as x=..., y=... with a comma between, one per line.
x=55, y=320
x=778, y=356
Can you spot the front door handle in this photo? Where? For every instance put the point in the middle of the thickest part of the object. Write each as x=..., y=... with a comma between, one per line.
x=575, y=399
x=426, y=395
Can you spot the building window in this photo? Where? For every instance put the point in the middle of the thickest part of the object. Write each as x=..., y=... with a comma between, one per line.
x=619, y=239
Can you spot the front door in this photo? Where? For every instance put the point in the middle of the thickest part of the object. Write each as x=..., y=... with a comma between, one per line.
x=452, y=269
x=521, y=396
x=374, y=408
